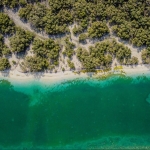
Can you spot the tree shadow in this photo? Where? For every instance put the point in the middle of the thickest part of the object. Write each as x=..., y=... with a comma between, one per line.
x=124, y=41
x=37, y=75
x=90, y=74
x=147, y=66
x=83, y=42
x=8, y=56
x=21, y=55
x=96, y=40
x=5, y=73
x=139, y=49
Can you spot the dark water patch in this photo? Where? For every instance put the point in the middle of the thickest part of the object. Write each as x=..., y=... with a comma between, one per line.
x=13, y=114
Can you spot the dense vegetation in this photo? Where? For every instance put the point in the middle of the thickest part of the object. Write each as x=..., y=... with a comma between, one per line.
x=146, y=56
x=98, y=29
x=131, y=21
x=4, y=64
x=46, y=54
x=77, y=30
x=4, y=50
x=21, y=40
x=71, y=64
x=34, y=14
x=36, y=63
x=82, y=38
x=40, y=17
x=128, y=19
x=102, y=54
x=6, y=25
x=69, y=48
x=47, y=49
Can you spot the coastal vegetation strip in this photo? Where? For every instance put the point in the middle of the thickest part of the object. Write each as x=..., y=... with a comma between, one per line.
x=62, y=34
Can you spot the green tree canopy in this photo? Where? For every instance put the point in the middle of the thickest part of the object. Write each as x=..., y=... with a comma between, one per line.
x=146, y=56
x=34, y=14
x=6, y=24
x=102, y=54
x=36, y=63
x=4, y=64
x=21, y=40
x=4, y=50
x=82, y=37
x=98, y=29
x=47, y=49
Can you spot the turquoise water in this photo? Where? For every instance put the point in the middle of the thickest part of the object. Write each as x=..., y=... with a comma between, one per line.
x=88, y=114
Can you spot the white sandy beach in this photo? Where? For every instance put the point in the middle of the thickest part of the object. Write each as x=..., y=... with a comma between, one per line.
x=69, y=75
x=44, y=77
x=137, y=70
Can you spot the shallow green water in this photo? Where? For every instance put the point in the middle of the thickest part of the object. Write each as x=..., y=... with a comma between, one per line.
x=112, y=113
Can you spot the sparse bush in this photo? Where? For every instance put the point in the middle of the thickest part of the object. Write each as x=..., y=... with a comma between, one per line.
x=82, y=37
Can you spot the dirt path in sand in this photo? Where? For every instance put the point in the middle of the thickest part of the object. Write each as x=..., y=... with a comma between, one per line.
x=15, y=17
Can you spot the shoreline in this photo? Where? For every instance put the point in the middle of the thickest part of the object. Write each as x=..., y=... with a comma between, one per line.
x=69, y=75
x=139, y=70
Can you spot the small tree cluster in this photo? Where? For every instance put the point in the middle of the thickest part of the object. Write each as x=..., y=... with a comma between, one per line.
x=69, y=48
x=132, y=61
x=98, y=29
x=71, y=64
x=34, y=14
x=146, y=56
x=36, y=63
x=47, y=49
x=4, y=64
x=21, y=40
x=82, y=37
x=6, y=24
x=77, y=30
x=4, y=50
x=102, y=55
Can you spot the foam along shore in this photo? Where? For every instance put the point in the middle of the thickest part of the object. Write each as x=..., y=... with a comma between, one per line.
x=69, y=75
